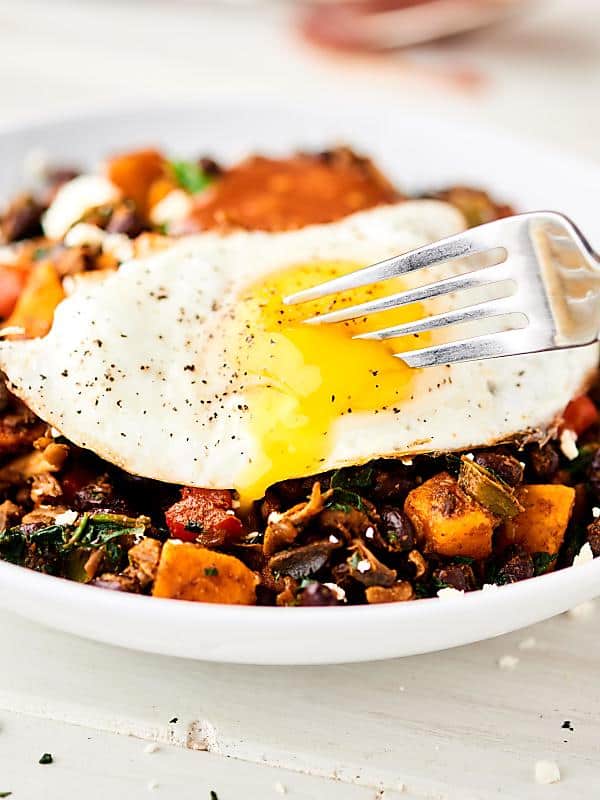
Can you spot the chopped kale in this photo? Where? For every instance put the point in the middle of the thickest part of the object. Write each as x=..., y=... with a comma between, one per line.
x=542, y=561
x=211, y=571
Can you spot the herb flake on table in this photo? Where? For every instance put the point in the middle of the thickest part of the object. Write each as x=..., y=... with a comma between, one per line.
x=46, y=759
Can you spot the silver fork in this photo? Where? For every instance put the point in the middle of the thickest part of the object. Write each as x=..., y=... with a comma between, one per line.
x=544, y=275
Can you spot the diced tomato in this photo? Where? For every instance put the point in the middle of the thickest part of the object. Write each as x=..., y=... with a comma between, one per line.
x=205, y=516
x=12, y=281
x=579, y=415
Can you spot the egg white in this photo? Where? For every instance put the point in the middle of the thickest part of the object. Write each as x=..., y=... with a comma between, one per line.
x=132, y=368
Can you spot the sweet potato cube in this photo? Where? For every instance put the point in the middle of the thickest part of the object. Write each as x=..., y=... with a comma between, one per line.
x=541, y=527
x=34, y=310
x=189, y=572
x=135, y=172
x=448, y=521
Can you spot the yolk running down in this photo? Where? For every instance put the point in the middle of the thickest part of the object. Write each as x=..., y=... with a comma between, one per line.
x=301, y=378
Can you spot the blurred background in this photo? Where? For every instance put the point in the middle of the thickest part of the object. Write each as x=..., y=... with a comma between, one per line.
x=532, y=66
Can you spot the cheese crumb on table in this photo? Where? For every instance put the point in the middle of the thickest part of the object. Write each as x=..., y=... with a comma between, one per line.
x=508, y=662
x=528, y=644
x=547, y=772
x=583, y=610
x=151, y=748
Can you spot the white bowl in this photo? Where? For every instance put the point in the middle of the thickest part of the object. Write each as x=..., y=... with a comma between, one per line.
x=420, y=152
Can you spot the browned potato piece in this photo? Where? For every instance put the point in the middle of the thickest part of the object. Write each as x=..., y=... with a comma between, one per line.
x=448, y=521
x=189, y=572
x=541, y=527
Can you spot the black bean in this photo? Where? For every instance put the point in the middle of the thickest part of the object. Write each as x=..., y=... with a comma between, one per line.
x=594, y=475
x=317, y=594
x=593, y=537
x=544, y=461
x=457, y=576
x=21, y=220
x=504, y=466
x=516, y=568
x=397, y=529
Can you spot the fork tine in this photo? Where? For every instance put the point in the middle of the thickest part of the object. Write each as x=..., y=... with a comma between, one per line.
x=477, y=311
x=470, y=280
x=505, y=343
x=457, y=246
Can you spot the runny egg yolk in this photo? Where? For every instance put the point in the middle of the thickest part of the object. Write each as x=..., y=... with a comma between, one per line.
x=301, y=378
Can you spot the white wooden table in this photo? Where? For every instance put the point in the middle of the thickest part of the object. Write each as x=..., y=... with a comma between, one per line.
x=451, y=725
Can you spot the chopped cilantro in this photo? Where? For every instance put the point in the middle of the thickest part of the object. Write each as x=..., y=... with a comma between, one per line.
x=462, y=560
x=190, y=176
x=39, y=253
x=354, y=560
x=5, y=794
x=173, y=720
x=213, y=795
x=210, y=571
x=46, y=759
x=578, y=467
x=197, y=527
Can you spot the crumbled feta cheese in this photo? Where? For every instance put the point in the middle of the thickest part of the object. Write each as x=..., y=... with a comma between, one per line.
x=528, y=644
x=151, y=748
x=583, y=610
x=83, y=234
x=280, y=788
x=583, y=556
x=487, y=587
x=172, y=208
x=508, y=662
x=547, y=772
x=118, y=245
x=337, y=590
x=115, y=244
x=72, y=201
x=406, y=461
x=522, y=463
x=370, y=532
x=273, y=517
x=364, y=565
x=568, y=444
x=12, y=330
x=595, y=512
x=449, y=593
x=66, y=518
x=333, y=539
x=8, y=255
x=230, y=512
x=470, y=456
x=55, y=433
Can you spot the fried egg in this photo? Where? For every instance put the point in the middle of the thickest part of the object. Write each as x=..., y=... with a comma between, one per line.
x=186, y=367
